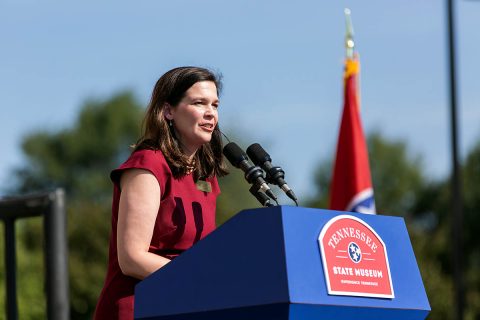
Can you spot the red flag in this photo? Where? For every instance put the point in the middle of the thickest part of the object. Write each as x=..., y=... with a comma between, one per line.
x=351, y=188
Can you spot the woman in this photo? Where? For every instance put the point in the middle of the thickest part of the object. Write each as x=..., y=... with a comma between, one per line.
x=165, y=193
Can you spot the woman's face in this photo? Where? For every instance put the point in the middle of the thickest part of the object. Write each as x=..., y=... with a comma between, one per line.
x=195, y=116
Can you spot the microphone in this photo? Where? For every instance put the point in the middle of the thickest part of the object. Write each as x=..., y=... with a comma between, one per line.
x=275, y=175
x=253, y=174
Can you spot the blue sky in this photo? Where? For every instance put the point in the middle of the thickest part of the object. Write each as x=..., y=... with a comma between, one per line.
x=281, y=61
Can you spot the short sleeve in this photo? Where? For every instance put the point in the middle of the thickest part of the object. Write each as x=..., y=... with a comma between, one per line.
x=150, y=160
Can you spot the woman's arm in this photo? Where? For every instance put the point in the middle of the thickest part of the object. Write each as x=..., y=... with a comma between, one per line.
x=139, y=204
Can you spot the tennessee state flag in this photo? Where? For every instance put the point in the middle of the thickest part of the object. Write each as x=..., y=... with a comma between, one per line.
x=351, y=186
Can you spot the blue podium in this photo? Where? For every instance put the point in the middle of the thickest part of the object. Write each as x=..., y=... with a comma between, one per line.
x=267, y=264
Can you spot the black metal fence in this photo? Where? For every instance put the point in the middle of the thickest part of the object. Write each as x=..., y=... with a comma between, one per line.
x=51, y=206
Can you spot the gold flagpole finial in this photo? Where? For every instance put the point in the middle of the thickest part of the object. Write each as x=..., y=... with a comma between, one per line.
x=349, y=43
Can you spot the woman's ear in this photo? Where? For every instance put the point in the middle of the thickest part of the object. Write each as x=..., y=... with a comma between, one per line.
x=168, y=111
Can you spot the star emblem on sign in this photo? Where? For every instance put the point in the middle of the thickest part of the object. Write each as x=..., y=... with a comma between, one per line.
x=354, y=252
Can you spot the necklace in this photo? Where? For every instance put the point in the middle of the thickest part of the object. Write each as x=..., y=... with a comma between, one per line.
x=191, y=167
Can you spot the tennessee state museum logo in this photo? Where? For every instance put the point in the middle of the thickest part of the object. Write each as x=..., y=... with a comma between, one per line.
x=355, y=261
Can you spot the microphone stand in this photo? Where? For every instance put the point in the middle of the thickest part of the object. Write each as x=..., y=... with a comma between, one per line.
x=260, y=196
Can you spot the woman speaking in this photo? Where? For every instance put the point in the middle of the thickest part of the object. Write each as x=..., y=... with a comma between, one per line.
x=165, y=194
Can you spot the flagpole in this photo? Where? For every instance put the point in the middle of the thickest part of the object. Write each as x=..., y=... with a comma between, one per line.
x=456, y=198
x=349, y=43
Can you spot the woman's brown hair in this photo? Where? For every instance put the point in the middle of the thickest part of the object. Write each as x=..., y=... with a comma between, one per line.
x=158, y=135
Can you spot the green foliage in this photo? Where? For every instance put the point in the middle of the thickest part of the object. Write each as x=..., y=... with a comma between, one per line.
x=471, y=244
x=471, y=179
x=434, y=206
x=438, y=283
x=88, y=230
x=31, y=301
x=397, y=176
x=234, y=196
x=77, y=159
x=322, y=178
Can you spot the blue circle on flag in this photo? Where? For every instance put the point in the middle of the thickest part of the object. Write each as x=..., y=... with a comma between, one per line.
x=354, y=252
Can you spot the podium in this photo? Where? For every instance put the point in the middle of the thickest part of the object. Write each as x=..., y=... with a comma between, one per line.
x=267, y=264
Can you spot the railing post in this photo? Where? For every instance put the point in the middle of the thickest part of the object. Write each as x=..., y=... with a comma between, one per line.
x=51, y=206
x=55, y=225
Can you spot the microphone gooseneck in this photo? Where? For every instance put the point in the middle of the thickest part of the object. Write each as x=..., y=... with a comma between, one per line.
x=275, y=175
x=253, y=174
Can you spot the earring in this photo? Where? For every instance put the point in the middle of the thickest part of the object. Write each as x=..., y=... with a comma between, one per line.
x=170, y=123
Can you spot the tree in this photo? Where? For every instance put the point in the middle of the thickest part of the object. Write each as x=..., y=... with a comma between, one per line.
x=78, y=159
x=433, y=210
x=471, y=174
x=234, y=196
x=397, y=176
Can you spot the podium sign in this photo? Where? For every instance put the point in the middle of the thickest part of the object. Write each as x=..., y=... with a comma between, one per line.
x=267, y=264
x=355, y=261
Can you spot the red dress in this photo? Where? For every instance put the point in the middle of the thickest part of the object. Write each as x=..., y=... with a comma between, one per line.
x=186, y=215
